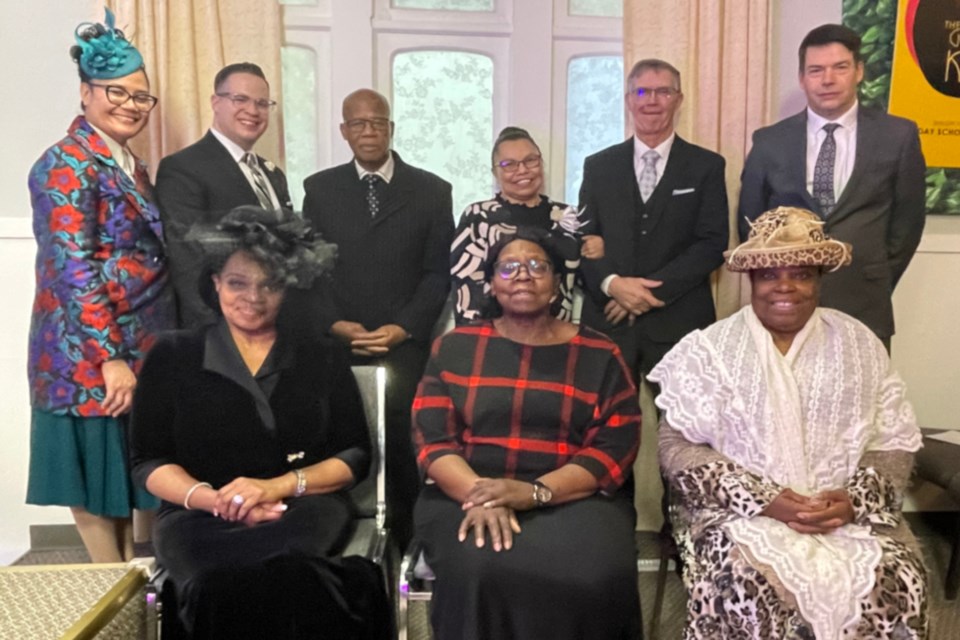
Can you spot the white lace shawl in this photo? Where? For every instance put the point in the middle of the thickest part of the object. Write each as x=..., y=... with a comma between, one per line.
x=802, y=420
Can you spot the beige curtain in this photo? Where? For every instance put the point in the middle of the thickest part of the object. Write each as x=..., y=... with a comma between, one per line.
x=184, y=43
x=721, y=48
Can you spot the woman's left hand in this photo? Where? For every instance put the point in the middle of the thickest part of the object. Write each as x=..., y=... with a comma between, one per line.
x=836, y=511
x=501, y=522
x=500, y=492
x=119, y=382
x=592, y=247
x=236, y=498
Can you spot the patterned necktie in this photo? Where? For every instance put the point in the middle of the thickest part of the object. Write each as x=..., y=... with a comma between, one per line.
x=648, y=175
x=823, y=171
x=373, y=193
x=259, y=181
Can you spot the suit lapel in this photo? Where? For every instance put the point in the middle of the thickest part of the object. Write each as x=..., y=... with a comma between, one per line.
x=867, y=141
x=231, y=173
x=796, y=162
x=398, y=193
x=277, y=181
x=628, y=194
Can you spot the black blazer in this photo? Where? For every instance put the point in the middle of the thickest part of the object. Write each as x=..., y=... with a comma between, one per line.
x=188, y=412
x=881, y=211
x=679, y=237
x=391, y=269
x=201, y=183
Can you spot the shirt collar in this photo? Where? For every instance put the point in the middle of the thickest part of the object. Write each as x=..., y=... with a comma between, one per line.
x=121, y=155
x=847, y=121
x=236, y=151
x=385, y=171
x=640, y=147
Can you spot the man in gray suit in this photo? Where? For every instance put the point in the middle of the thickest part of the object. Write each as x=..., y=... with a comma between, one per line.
x=860, y=169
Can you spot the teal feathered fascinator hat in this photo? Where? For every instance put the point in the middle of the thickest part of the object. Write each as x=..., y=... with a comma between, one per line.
x=103, y=52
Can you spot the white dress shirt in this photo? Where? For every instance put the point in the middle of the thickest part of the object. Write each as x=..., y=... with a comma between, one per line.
x=121, y=155
x=237, y=152
x=385, y=171
x=846, y=138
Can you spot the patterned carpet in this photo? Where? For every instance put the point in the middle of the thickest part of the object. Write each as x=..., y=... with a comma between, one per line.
x=932, y=529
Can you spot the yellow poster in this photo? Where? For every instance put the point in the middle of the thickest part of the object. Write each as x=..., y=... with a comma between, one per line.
x=925, y=80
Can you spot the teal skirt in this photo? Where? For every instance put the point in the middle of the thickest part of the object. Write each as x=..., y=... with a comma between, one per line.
x=82, y=462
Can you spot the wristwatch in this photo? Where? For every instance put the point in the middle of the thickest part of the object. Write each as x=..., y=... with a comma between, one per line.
x=542, y=495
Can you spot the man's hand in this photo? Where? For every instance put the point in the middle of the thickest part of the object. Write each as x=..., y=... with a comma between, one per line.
x=634, y=295
x=380, y=341
x=615, y=313
x=347, y=331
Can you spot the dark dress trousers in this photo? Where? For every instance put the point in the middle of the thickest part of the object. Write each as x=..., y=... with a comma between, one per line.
x=201, y=183
x=677, y=236
x=880, y=211
x=392, y=268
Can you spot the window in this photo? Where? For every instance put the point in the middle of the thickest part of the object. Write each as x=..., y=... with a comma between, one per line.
x=449, y=5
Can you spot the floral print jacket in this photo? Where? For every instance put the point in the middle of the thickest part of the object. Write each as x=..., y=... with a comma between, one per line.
x=101, y=272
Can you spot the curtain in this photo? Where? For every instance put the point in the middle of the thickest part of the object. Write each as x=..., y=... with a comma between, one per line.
x=184, y=43
x=721, y=48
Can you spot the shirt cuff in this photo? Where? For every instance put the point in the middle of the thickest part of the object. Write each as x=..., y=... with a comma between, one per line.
x=605, y=285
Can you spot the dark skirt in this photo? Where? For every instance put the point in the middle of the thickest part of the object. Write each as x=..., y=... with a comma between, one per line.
x=82, y=462
x=276, y=580
x=572, y=573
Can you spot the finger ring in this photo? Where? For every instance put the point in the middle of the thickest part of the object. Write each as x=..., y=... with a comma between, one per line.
x=238, y=499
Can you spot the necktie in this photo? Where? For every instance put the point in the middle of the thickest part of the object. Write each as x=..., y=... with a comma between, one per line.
x=823, y=171
x=648, y=175
x=373, y=193
x=259, y=181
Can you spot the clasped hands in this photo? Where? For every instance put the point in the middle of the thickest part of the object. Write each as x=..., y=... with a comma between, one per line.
x=378, y=342
x=821, y=513
x=250, y=501
x=631, y=297
x=491, y=506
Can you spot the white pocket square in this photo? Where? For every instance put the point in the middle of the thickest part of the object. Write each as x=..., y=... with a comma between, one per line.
x=680, y=192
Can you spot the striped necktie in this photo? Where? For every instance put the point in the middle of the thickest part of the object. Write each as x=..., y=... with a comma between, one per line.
x=259, y=181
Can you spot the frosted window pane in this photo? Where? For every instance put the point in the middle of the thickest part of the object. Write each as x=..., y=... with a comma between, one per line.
x=594, y=112
x=450, y=5
x=299, y=117
x=603, y=8
x=443, y=107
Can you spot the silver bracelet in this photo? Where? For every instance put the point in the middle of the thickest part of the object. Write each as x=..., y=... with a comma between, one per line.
x=186, y=500
x=301, y=483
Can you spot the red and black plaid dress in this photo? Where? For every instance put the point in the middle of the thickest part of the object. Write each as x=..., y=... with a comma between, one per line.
x=520, y=411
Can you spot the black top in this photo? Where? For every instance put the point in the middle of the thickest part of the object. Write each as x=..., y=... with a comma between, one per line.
x=198, y=406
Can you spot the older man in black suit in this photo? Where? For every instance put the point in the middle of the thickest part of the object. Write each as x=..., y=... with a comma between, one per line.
x=660, y=204
x=860, y=169
x=393, y=225
x=204, y=181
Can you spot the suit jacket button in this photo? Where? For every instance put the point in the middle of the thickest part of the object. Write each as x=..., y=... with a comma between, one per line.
x=644, y=216
x=643, y=233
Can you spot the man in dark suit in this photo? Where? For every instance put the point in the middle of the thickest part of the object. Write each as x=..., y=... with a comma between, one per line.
x=204, y=181
x=393, y=226
x=660, y=204
x=860, y=169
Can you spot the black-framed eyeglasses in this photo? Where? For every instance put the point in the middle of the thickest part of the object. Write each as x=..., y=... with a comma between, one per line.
x=512, y=166
x=510, y=269
x=118, y=96
x=650, y=92
x=241, y=100
x=359, y=125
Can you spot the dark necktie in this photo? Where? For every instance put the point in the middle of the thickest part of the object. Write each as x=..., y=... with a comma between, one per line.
x=259, y=181
x=823, y=171
x=374, y=183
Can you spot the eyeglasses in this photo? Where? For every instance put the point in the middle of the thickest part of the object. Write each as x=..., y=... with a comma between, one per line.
x=358, y=125
x=118, y=96
x=512, y=166
x=649, y=92
x=240, y=101
x=243, y=286
x=536, y=268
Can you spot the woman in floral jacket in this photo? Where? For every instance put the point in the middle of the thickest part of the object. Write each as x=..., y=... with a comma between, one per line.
x=518, y=168
x=101, y=296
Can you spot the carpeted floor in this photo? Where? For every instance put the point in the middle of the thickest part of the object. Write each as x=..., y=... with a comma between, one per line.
x=932, y=529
